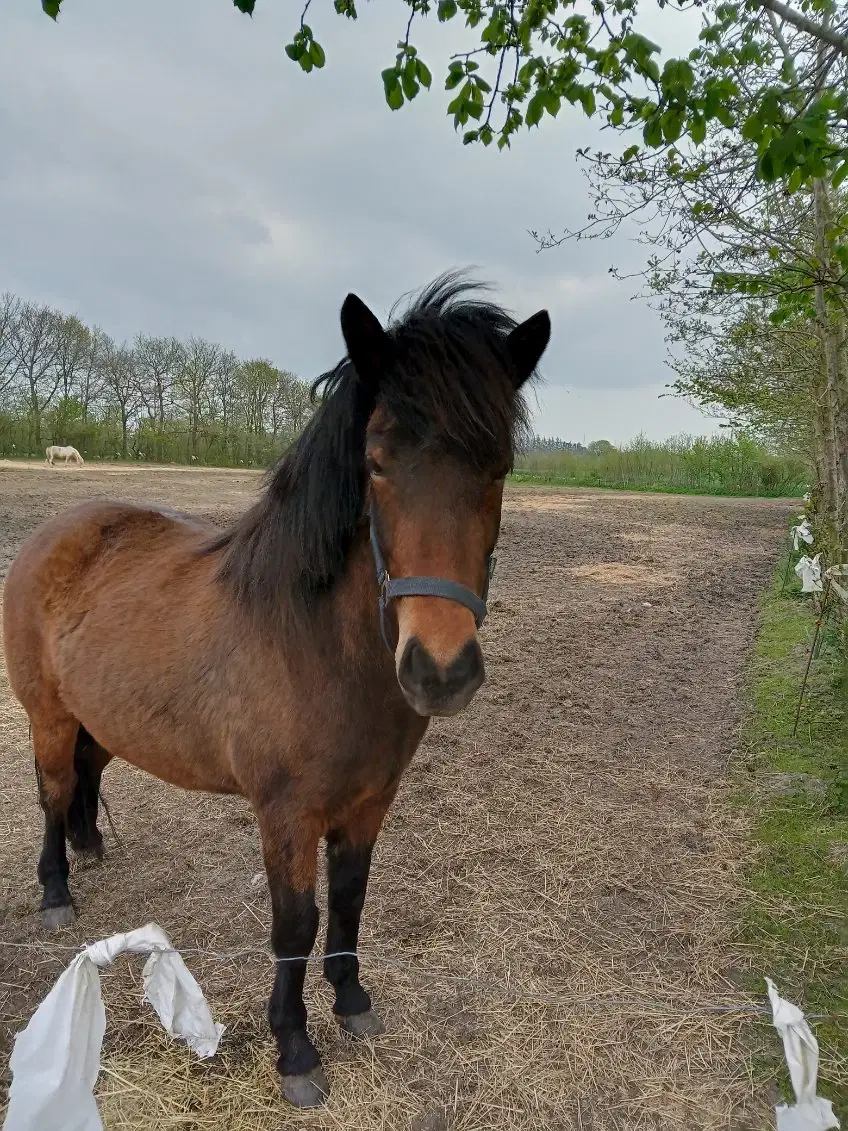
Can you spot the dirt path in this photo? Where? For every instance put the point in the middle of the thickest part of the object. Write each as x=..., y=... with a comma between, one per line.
x=553, y=897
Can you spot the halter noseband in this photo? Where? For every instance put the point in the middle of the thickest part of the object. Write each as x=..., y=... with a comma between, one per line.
x=424, y=586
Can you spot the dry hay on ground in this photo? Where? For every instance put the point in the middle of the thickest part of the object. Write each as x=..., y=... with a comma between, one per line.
x=554, y=897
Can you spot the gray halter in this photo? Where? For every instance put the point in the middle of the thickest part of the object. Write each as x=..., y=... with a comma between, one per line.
x=424, y=587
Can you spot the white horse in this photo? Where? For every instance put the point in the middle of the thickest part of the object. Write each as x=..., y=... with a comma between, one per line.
x=63, y=452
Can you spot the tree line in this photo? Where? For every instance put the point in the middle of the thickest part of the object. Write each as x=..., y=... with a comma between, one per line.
x=155, y=398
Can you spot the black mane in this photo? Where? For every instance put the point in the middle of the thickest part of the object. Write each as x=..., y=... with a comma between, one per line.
x=450, y=389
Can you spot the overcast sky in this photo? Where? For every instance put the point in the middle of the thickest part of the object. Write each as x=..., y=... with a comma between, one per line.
x=165, y=168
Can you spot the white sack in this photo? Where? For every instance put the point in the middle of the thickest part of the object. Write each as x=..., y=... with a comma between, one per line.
x=810, y=1112
x=803, y=532
x=809, y=570
x=56, y=1059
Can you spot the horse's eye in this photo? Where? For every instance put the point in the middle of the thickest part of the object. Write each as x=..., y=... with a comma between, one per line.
x=374, y=468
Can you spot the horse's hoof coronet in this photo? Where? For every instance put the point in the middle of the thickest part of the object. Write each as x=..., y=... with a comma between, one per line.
x=361, y=1025
x=56, y=918
x=309, y=1090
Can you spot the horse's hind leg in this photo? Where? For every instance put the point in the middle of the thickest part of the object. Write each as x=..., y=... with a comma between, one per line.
x=90, y=760
x=54, y=742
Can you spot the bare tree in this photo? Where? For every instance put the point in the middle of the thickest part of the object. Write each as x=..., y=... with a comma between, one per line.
x=36, y=349
x=291, y=405
x=257, y=381
x=90, y=374
x=9, y=361
x=158, y=361
x=74, y=349
x=225, y=390
x=121, y=382
x=193, y=384
x=295, y=403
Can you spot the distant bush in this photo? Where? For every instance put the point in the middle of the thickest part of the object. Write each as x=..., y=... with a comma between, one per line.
x=719, y=465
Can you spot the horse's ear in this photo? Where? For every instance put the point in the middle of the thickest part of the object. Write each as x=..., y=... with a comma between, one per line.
x=369, y=347
x=527, y=343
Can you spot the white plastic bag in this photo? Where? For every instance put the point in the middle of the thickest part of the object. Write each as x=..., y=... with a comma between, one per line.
x=803, y=532
x=56, y=1059
x=810, y=1112
x=809, y=570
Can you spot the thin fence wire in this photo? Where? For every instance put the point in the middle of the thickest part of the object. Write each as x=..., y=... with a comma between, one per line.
x=518, y=995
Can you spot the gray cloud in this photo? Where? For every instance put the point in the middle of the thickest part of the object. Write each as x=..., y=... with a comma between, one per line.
x=166, y=168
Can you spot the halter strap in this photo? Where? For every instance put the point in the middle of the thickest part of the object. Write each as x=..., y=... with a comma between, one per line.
x=424, y=586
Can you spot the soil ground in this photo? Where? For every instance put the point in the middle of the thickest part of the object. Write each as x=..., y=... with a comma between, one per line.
x=551, y=917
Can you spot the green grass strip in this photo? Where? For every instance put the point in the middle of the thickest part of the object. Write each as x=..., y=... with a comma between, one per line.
x=796, y=790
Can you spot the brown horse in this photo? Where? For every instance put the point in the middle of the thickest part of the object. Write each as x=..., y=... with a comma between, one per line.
x=296, y=658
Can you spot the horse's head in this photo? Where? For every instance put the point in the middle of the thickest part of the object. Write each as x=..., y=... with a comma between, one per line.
x=441, y=391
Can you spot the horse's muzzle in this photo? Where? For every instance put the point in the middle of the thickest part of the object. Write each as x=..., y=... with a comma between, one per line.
x=433, y=690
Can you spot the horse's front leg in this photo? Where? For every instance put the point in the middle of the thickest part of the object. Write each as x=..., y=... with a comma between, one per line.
x=348, y=864
x=290, y=849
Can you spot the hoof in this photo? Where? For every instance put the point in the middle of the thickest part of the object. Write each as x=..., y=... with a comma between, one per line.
x=309, y=1090
x=362, y=1025
x=55, y=918
x=91, y=851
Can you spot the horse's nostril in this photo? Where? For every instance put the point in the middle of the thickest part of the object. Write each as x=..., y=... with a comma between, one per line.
x=418, y=668
x=420, y=675
x=466, y=668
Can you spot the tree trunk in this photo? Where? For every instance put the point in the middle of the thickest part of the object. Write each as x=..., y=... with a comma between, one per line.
x=829, y=327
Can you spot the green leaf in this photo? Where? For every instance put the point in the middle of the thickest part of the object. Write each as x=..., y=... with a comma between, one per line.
x=457, y=108
x=652, y=133
x=629, y=153
x=392, y=88
x=795, y=181
x=616, y=118
x=316, y=54
x=698, y=129
x=752, y=128
x=294, y=51
x=840, y=174
x=471, y=135
x=408, y=80
x=245, y=6
x=305, y=62
x=678, y=73
x=535, y=108
x=672, y=123
x=446, y=10
x=51, y=7
x=725, y=116
x=586, y=98
x=423, y=72
x=455, y=76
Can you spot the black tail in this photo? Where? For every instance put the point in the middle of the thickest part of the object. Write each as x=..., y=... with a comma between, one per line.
x=81, y=823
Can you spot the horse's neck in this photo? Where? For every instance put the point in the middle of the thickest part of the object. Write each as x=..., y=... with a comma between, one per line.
x=354, y=608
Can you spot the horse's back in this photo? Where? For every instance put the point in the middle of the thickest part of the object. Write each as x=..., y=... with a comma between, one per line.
x=63, y=451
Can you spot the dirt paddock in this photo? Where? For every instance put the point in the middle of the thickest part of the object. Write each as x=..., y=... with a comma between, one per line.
x=554, y=899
